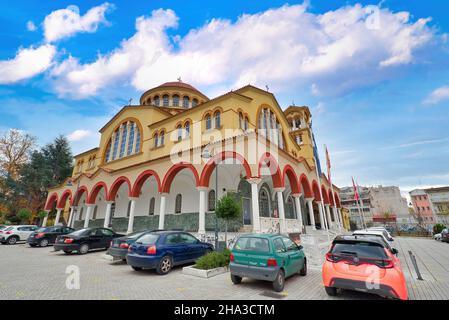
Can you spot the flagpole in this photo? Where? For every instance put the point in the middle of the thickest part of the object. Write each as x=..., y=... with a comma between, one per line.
x=319, y=188
x=336, y=214
x=357, y=202
x=361, y=206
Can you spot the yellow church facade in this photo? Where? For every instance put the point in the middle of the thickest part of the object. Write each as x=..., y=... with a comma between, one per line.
x=163, y=163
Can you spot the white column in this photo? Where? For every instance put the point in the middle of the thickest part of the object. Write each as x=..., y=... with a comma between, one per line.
x=131, y=215
x=90, y=208
x=58, y=216
x=311, y=214
x=202, y=211
x=340, y=216
x=107, y=216
x=336, y=217
x=255, y=203
x=74, y=213
x=44, y=223
x=69, y=222
x=162, y=211
x=322, y=221
x=298, y=210
x=328, y=213
x=282, y=223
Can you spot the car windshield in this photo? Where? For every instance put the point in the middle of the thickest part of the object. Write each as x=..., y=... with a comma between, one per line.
x=360, y=250
x=45, y=230
x=378, y=236
x=252, y=244
x=148, y=239
x=9, y=228
x=80, y=232
x=135, y=235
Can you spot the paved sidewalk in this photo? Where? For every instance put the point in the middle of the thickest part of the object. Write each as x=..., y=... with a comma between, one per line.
x=40, y=273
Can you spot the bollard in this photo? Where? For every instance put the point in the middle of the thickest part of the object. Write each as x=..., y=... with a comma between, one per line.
x=415, y=264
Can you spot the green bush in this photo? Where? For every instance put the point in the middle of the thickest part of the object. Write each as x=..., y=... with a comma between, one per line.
x=24, y=215
x=213, y=260
x=438, y=228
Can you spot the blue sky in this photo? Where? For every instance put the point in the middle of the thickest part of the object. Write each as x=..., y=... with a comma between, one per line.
x=375, y=74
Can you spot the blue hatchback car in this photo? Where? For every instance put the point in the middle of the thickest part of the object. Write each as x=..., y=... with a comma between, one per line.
x=162, y=250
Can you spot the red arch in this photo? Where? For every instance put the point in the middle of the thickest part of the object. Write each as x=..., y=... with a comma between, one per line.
x=292, y=178
x=116, y=186
x=52, y=200
x=76, y=198
x=331, y=199
x=95, y=190
x=141, y=180
x=65, y=195
x=316, y=191
x=337, y=200
x=305, y=184
x=173, y=171
x=273, y=166
x=325, y=195
x=210, y=166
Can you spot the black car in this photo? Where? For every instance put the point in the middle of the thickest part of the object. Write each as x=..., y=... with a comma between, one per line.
x=119, y=246
x=445, y=235
x=84, y=240
x=44, y=236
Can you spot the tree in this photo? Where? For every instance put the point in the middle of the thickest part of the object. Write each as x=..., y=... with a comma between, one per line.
x=59, y=159
x=14, y=151
x=228, y=208
x=24, y=215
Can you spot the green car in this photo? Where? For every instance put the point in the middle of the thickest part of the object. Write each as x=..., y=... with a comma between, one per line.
x=270, y=257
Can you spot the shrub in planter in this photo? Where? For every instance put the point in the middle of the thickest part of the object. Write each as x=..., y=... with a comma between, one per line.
x=213, y=260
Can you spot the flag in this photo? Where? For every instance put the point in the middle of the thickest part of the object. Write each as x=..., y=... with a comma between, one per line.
x=328, y=162
x=356, y=192
x=315, y=152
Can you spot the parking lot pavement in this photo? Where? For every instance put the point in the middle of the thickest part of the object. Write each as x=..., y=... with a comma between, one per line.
x=40, y=273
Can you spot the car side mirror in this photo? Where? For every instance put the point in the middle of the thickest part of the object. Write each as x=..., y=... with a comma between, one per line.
x=394, y=251
x=300, y=247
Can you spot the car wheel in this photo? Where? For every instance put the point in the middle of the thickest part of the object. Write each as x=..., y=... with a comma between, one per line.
x=84, y=248
x=43, y=243
x=67, y=252
x=136, y=268
x=164, y=265
x=31, y=245
x=331, y=291
x=303, y=271
x=236, y=279
x=12, y=240
x=279, y=282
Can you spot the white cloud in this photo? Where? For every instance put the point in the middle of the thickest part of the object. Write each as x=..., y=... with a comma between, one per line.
x=31, y=26
x=65, y=23
x=26, y=64
x=78, y=135
x=284, y=47
x=438, y=95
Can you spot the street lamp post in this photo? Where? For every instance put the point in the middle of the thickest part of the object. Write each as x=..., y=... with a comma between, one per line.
x=207, y=155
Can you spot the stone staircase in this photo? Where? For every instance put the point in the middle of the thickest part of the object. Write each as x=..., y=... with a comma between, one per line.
x=316, y=244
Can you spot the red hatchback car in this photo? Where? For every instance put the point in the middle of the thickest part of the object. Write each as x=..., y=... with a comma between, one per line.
x=363, y=264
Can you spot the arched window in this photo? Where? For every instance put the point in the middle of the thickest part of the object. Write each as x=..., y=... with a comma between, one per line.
x=185, y=102
x=152, y=204
x=148, y=102
x=156, y=140
x=194, y=102
x=270, y=127
x=165, y=100
x=187, y=129
x=208, y=122
x=211, y=200
x=123, y=141
x=178, y=204
x=128, y=210
x=175, y=100
x=94, y=216
x=108, y=152
x=138, y=141
x=162, y=138
x=179, y=129
x=217, y=120
x=246, y=123
x=116, y=137
x=131, y=138
x=156, y=101
x=264, y=203
x=240, y=120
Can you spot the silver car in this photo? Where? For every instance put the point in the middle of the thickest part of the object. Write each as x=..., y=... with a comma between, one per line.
x=13, y=234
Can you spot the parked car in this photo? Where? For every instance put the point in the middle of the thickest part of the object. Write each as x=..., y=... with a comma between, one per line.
x=162, y=250
x=84, y=240
x=12, y=234
x=386, y=233
x=119, y=246
x=44, y=236
x=386, y=243
x=375, y=233
x=445, y=235
x=269, y=257
x=364, y=264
